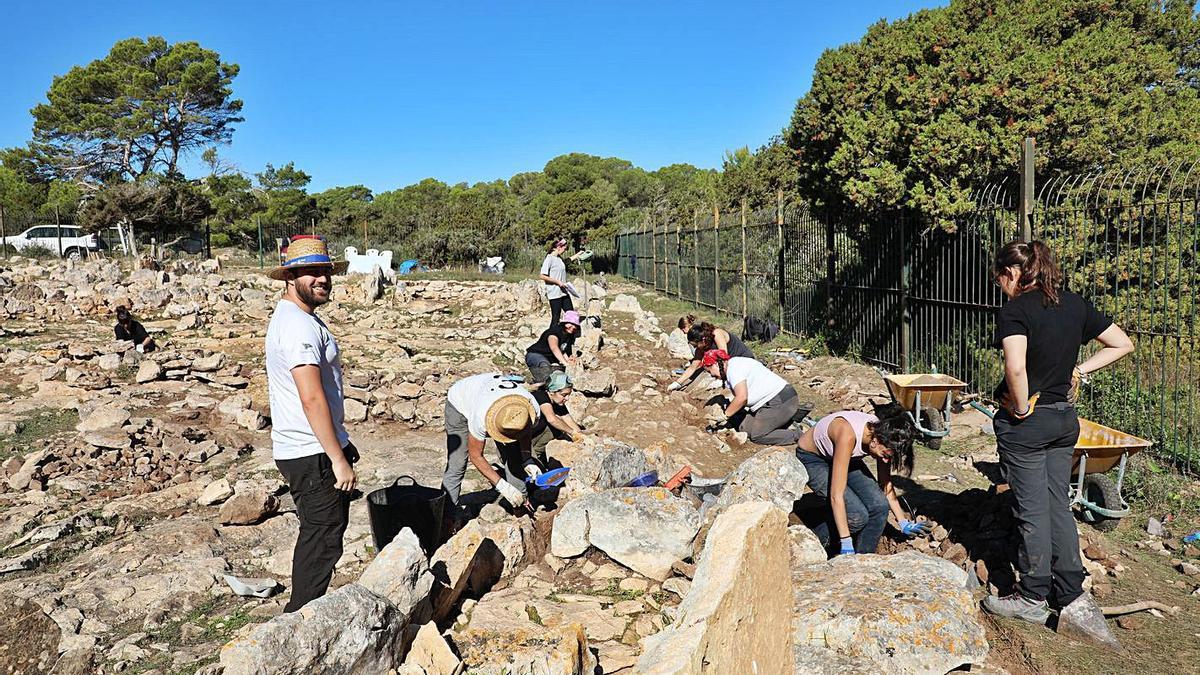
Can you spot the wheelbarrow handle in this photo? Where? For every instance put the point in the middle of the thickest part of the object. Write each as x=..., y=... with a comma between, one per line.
x=983, y=409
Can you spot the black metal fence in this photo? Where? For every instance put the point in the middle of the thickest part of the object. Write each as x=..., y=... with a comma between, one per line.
x=894, y=291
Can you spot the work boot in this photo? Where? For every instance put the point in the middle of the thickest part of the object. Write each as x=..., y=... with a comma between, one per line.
x=801, y=413
x=1017, y=606
x=1082, y=619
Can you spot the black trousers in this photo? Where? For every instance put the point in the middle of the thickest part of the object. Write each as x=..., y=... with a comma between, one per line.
x=324, y=512
x=1036, y=455
x=558, y=306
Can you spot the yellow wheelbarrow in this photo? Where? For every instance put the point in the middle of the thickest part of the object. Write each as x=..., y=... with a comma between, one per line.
x=926, y=397
x=1097, y=451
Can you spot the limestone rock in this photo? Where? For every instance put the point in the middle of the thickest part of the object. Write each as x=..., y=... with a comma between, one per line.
x=148, y=371
x=401, y=574
x=469, y=560
x=867, y=608
x=210, y=363
x=109, y=361
x=806, y=546
x=103, y=417
x=430, y=652
x=559, y=651
x=601, y=382
x=645, y=529
x=356, y=411
x=773, y=475
x=33, y=461
x=251, y=502
x=678, y=346
x=350, y=631
x=250, y=419
x=625, y=303
x=215, y=492
x=728, y=623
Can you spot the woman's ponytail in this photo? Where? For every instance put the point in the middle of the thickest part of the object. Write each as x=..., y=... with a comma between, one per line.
x=1037, y=265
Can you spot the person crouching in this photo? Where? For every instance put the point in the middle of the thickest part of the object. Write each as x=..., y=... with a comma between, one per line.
x=765, y=406
x=480, y=407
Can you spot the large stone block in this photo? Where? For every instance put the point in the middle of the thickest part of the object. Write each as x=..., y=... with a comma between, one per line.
x=401, y=574
x=904, y=613
x=350, y=631
x=645, y=529
x=731, y=620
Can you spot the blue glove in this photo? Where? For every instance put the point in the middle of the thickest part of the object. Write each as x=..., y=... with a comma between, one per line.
x=913, y=529
x=847, y=546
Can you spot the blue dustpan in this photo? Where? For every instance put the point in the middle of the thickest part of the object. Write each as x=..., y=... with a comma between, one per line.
x=552, y=478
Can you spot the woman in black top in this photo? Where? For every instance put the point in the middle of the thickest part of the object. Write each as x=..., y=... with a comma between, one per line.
x=554, y=347
x=128, y=328
x=1041, y=329
x=703, y=337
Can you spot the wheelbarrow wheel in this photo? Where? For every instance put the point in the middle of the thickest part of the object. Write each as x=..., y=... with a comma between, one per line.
x=1102, y=492
x=933, y=421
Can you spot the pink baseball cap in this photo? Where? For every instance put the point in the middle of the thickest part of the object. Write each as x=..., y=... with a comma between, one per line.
x=570, y=316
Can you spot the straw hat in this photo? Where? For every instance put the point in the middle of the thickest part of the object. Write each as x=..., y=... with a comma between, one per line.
x=307, y=253
x=508, y=417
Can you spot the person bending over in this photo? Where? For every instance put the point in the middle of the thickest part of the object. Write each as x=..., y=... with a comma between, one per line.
x=553, y=348
x=764, y=405
x=704, y=337
x=834, y=452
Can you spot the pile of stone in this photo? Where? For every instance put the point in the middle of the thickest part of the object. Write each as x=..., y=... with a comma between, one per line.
x=65, y=290
x=117, y=454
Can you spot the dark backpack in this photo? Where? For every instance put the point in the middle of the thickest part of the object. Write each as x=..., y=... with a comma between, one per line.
x=759, y=330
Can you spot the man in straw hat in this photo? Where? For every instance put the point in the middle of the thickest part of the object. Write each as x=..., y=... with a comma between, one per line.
x=480, y=407
x=308, y=437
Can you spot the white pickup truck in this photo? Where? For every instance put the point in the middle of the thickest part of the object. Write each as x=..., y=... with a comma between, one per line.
x=75, y=242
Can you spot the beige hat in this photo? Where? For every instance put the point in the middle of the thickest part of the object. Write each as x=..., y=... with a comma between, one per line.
x=307, y=252
x=508, y=417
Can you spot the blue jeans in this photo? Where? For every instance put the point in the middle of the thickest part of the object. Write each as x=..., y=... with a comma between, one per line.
x=539, y=366
x=866, y=506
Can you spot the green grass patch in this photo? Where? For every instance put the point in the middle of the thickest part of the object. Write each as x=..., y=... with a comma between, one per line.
x=40, y=425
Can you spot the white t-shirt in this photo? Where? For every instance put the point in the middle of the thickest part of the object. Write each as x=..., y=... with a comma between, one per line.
x=297, y=338
x=554, y=267
x=761, y=384
x=472, y=396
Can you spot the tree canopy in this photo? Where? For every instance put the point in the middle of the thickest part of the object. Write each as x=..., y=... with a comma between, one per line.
x=920, y=111
x=137, y=110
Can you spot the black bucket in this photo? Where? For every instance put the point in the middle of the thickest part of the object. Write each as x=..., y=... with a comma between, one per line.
x=416, y=507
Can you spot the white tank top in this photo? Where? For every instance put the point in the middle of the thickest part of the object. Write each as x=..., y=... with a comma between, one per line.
x=858, y=421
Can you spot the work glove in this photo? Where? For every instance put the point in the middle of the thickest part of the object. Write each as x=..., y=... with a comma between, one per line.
x=1077, y=379
x=510, y=493
x=910, y=528
x=577, y=437
x=532, y=471
x=1008, y=403
x=717, y=425
x=674, y=386
x=847, y=546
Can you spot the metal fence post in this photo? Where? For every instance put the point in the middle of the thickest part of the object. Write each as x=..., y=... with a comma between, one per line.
x=678, y=257
x=258, y=224
x=696, y=254
x=745, y=285
x=779, y=257
x=58, y=230
x=830, y=258
x=653, y=252
x=1027, y=156
x=3, y=232
x=905, y=315
x=716, y=256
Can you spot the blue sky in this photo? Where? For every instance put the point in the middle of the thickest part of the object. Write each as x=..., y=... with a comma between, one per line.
x=388, y=93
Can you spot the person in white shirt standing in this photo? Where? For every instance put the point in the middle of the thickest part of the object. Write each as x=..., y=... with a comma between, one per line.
x=486, y=406
x=554, y=275
x=308, y=437
x=764, y=404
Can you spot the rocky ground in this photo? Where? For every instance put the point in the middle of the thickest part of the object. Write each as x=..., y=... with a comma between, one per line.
x=133, y=484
